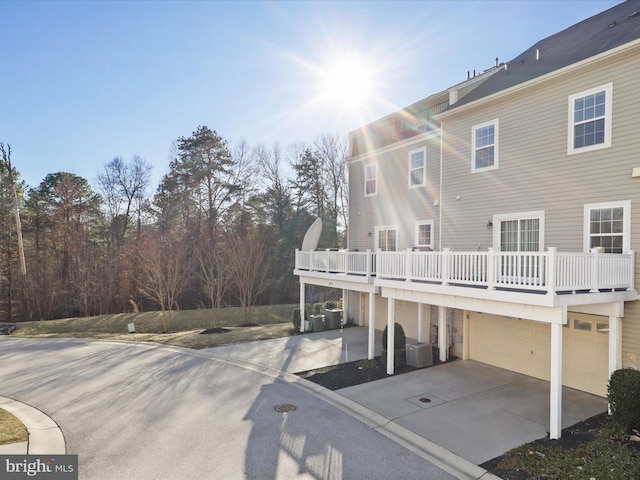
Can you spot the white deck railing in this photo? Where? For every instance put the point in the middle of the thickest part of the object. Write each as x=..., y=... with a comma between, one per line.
x=342, y=262
x=548, y=272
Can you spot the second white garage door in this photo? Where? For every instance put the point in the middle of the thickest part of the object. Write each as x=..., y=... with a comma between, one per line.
x=523, y=346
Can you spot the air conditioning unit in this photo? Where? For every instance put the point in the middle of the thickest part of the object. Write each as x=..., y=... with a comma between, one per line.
x=419, y=354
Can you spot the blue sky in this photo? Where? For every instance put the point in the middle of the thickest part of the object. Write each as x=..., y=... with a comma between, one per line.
x=82, y=82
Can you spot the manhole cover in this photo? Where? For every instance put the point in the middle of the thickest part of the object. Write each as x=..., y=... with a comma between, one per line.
x=425, y=400
x=285, y=407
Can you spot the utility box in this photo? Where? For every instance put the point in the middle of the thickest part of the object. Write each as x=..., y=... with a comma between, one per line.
x=317, y=322
x=419, y=354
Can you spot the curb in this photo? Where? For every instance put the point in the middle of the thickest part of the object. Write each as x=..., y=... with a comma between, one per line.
x=444, y=459
x=45, y=436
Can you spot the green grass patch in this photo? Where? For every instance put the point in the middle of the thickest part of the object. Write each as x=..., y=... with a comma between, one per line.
x=11, y=429
x=152, y=322
x=184, y=326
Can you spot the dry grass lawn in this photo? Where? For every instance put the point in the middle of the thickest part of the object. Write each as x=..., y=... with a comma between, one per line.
x=184, y=327
x=11, y=429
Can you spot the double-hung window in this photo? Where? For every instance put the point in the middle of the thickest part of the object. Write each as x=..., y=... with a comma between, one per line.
x=386, y=239
x=484, y=149
x=370, y=179
x=417, y=167
x=607, y=226
x=590, y=119
x=424, y=233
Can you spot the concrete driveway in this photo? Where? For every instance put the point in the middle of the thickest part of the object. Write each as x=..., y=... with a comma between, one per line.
x=143, y=411
x=471, y=409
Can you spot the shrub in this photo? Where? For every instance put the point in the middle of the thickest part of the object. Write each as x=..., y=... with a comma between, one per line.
x=330, y=305
x=624, y=398
x=318, y=308
x=399, y=344
x=296, y=319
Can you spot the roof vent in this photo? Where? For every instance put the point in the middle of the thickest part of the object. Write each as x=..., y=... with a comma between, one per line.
x=612, y=24
x=633, y=15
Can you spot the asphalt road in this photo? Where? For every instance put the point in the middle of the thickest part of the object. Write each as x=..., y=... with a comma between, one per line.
x=140, y=411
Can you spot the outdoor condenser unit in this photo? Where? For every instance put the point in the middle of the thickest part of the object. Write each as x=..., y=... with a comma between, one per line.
x=419, y=354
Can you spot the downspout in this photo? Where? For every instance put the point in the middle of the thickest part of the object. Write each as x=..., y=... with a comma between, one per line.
x=440, y=192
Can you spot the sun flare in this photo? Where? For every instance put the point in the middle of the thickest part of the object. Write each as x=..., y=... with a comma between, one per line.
x=347, y=81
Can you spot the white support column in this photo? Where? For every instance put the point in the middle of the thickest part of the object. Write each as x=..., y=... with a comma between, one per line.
x=420, y=329
x=372, y=326
x=345, y=306
x=391, y=335
x=615, y=344
x=442, y=333
x=555, y=410
x=465, y=336
x=302, y=315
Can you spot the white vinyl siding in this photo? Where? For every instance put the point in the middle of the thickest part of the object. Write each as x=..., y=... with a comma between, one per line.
x=607, y=226
x=485, y=146
x=417, y=168
x=590, y=119
x=370, y=179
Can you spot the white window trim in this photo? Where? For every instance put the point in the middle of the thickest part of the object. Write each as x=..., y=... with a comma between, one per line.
x=626, y=222
x=571, y=150
x=419, y=223
x=539, y=214
x=424, y=167
x=366, y=166
x=496, y=129
x=376, y=231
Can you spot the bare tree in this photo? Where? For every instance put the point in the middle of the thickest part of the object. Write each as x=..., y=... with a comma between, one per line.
x=123, y=186
x=6, y=160
x=214, y=274
x=162, y=262
x=248, y=268
x=332, y=151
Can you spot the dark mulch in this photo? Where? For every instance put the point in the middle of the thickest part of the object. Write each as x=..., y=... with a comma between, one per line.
x=506, y=466
x=215, y=330
x=349, y=374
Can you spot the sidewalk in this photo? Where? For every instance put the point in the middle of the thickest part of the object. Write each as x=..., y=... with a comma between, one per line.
x=45, y=437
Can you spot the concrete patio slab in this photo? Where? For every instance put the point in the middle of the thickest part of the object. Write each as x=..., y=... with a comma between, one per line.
x=476, y=411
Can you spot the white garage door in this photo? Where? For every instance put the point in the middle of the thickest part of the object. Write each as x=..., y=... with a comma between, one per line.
x=523, y=346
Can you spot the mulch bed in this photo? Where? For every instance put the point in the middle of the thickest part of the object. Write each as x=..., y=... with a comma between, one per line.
x=349, y=374
x=214, y=331
x=571, y=438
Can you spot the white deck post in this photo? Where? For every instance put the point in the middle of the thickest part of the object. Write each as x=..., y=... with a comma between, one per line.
x=390, y=336
x=420, y=330
x=302, y=315
x=345, y=306
x=372, y=326
x=555, y=411
x=442, y=333
x=615, y=346
x=615, y=342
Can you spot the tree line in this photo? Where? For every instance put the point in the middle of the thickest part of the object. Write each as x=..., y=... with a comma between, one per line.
x=220, y=229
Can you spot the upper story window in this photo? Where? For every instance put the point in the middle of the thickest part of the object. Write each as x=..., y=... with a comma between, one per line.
x=370, y=179
x=590, y=119
x=386, y=239
x=417, y=167
x=485, y=146
x=607, y=226
x=424, y=233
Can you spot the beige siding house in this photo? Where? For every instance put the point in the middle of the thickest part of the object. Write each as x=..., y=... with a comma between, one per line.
x=499, y=219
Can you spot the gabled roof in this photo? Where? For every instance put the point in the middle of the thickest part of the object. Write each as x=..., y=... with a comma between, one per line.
x=597, y=34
